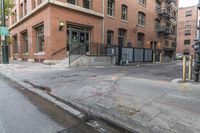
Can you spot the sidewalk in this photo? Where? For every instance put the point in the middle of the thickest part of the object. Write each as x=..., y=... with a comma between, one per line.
x=143, y=105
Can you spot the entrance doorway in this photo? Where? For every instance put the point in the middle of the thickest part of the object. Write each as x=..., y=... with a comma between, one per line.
x=77, y=39
x=121, y=42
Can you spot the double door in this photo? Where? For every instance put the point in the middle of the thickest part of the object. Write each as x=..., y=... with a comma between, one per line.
x=78, y=38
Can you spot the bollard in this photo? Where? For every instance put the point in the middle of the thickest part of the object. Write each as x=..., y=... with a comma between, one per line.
x=160, y=57
x=154, y=57
x=184, y=68
x=190, y=68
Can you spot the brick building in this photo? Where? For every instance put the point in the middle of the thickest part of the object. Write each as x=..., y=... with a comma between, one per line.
x=47, y=29
x=186, y=30
x=198, y=20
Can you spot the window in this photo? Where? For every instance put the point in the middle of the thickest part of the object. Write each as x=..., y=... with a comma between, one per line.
x=71, y=2
x=25, y=42
x=157, y=24
x=186, y=42
x=140, y=39
x=109, y=37
x=158, y=5
x=21, y=10
x=14, y=17
x=124, y=12
x=188, y=13
x=122, y=37
x=141, y=18
x=33, y=4
x=188, y=23
x=25, y=7
x=15, y=45
x=40, y=38
x=187, y=32
x=111, y=7
x=140, y=36
x=142, y=2
x=40, y=1
x=87, y=4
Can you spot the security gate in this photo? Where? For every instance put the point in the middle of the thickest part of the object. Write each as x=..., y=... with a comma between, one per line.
x=134, y=54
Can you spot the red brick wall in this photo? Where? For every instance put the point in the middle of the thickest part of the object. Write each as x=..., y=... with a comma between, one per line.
x=181, y=29
x=58, y=38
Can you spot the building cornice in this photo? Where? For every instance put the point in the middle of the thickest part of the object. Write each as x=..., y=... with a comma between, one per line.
x=77, y=8
x=57, y=3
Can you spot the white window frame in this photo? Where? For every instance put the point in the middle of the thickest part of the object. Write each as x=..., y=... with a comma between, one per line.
x=124, y=13
x=111, y=8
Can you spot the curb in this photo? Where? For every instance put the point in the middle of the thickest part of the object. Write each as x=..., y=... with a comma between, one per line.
x=44, y=95
x=63, y=105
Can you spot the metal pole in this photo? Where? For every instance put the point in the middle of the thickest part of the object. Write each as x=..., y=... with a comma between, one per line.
x=4, y=46
x=154, y=57
x=184, y=68
x=161, y=56
x=190, y=68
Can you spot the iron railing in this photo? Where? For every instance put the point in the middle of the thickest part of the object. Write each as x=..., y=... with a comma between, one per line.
x=77, y=52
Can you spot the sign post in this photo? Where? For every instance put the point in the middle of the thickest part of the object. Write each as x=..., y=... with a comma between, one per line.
x=4, y=33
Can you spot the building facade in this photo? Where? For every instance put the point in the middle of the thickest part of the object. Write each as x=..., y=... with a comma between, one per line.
x=49, y=29
x=198, y=20
x=186, y=30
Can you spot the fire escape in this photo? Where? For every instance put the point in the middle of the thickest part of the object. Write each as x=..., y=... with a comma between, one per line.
x=167, y=17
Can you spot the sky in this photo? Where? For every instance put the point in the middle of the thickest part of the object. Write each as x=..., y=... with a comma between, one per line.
x=185, y=3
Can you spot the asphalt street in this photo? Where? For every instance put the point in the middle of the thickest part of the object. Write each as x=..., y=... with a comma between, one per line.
x=19, y=115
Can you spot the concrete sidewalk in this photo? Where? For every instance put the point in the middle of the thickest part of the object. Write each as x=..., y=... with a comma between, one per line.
x=143, y=105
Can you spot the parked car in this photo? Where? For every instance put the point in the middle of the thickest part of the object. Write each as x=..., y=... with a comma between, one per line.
x=179, y=56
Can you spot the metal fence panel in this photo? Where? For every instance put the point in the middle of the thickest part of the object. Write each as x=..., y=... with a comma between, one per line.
x=111, y=51
x=129, y=52
x=138, y=55
x=148, y=55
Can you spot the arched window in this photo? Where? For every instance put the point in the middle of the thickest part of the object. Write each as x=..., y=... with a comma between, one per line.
x=141, y=18
x=124, y=13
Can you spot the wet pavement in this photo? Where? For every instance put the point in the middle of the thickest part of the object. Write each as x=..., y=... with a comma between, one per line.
x=22, y=111
x=141, y=98
x=19, y=115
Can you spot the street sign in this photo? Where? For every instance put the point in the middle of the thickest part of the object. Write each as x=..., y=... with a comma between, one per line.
x=4, y=31
x=3, y=38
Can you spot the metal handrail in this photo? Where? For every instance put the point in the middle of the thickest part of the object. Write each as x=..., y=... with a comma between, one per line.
x=58, y=51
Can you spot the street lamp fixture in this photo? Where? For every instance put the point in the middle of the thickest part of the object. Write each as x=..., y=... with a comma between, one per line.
x=61, y=25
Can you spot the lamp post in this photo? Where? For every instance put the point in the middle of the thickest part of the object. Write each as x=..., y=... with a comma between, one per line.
x=4, y=37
